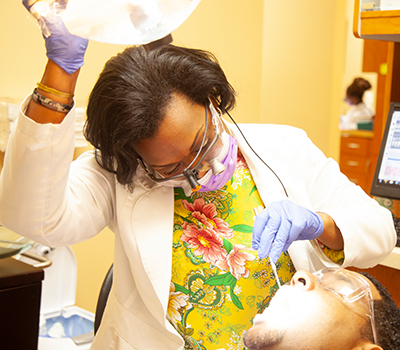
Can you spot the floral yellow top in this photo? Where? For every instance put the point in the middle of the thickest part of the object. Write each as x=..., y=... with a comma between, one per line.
x=218, y=282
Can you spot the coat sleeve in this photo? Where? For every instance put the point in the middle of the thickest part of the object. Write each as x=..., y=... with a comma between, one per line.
x=367, y=228
x=42, y=195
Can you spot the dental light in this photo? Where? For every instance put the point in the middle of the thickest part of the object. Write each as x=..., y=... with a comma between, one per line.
x=126, y=22
x=217, y=167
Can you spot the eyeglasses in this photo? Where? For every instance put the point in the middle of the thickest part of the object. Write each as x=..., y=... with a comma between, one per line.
x=352, y=289
x=207, y=156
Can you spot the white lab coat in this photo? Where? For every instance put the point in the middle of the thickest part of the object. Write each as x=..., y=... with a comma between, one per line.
x=45, y=198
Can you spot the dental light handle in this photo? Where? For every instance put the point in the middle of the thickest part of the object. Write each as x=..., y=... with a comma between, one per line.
x=158, y=43
x=42, y=8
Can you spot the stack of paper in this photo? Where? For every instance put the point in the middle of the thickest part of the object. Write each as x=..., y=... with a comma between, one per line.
x=390, y=5
x=4, y=125
x=8, y=114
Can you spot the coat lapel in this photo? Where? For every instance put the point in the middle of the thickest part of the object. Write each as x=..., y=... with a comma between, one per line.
x=268, y=184
x=152, y=226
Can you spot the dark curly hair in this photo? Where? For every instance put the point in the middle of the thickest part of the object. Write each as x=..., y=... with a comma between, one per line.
x=387, y=319
x=130, y=97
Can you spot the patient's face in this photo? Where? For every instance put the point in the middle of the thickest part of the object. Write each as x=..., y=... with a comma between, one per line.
x=303, y=315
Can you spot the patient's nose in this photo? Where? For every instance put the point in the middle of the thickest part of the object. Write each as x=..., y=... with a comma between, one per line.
x=304, y=280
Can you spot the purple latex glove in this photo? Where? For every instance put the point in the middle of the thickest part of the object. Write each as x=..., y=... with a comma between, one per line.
x=63, y=48
x=282, y=223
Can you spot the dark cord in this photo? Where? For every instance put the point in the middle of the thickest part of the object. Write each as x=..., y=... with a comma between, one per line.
x=258, y=155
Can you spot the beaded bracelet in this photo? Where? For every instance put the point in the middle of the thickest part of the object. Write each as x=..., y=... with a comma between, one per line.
x=54, y=91
x=49, y=103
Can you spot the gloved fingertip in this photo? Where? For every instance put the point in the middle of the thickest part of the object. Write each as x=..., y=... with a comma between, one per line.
x=286, y=247
x=274, y=255
x=261, y=255
x=274, y=258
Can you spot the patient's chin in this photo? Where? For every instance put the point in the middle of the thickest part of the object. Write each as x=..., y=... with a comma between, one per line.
x=259, y=337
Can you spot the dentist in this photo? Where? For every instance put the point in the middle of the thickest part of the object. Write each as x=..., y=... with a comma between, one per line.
x=178, y=186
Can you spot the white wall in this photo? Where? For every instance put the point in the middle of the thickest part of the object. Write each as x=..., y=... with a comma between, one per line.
x=354, y=58
x=299, y=59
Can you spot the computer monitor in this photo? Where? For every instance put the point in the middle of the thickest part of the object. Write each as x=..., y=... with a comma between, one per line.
x=386, y=182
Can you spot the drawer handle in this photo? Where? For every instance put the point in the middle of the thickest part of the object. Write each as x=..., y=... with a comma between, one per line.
x=352, y=163
x=353, y=145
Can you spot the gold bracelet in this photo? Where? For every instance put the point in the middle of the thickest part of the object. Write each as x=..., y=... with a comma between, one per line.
x=54, y=91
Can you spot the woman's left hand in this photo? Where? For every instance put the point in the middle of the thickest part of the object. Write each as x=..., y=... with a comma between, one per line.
x=282, y=223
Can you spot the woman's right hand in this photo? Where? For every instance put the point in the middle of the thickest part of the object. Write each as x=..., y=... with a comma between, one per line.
x=63, y=48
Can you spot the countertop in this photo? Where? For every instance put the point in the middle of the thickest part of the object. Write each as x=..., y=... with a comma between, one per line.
x=393, y=260
x=365, y=134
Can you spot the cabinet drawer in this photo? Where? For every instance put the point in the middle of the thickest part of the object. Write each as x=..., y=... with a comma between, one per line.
x=354, y=145
x=357, y=177
x=353, y=164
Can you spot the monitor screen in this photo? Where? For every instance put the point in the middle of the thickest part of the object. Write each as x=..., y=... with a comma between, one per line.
x=386, y=182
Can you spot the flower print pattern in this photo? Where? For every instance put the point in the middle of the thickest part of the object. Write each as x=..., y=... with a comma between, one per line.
x=237, y=262
x=241, y=162
x=206, y=213
x=219, y=283
x=202, y=294
x=241, y=174
x=177, y=303
x=221, y=198
x=238, y=179
x=205, y=243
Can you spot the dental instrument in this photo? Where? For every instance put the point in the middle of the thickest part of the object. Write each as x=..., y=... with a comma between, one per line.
x=273, y=266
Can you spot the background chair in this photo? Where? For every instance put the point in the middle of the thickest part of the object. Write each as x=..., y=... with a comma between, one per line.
x=103, y=297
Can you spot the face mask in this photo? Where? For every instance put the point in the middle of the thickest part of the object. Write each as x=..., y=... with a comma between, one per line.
x=210, y=182
x=183, y=183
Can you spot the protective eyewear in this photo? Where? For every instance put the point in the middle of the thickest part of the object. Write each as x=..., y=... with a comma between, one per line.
x=352, y=289
x=205, y=158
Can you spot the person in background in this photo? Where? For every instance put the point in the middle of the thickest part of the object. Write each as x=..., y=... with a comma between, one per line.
x=358, y=112
x=330, y=309
x=180, y=188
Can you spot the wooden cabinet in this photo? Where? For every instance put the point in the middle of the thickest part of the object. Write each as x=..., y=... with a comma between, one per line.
x=20, y=293
x=388, y=276
x=376, y=25
x=382, y=57
x=353, y=145
x=355, y=158
x=376, y=56
x=382, y=31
